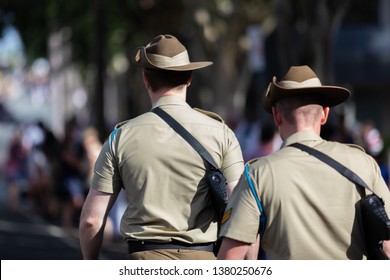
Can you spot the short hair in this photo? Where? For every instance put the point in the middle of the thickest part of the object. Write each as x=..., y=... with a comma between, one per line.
x=307, y=106
x=158, y=78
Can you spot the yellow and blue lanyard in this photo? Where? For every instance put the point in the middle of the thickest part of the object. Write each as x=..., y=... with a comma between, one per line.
x=263, y=218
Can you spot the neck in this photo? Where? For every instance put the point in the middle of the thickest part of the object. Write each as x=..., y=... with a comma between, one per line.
x=288, y=130
x=180, y=91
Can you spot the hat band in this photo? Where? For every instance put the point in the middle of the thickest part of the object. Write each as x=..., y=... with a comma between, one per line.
x=313, y=82
x=165, y=61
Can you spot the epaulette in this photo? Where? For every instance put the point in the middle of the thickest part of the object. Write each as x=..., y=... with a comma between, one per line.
x=121, y=124
x=112, y=134
x=110, y=138
x=213, y=115
x=356, y=147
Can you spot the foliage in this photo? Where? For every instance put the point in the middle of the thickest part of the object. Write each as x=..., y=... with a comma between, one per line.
x=302, y=32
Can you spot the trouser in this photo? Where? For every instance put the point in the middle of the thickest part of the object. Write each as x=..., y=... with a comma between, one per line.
x=175, y=250
x=172, y=254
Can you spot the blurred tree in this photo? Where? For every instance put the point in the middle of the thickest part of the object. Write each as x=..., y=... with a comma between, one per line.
x=212, y=30
x=306, y=30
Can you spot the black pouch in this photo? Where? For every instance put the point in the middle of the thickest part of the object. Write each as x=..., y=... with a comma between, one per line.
x=376, y=226
x=218, y=192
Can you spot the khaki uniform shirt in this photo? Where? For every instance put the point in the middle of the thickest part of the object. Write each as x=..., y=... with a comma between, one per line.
x=164, y=176
x=309, y=206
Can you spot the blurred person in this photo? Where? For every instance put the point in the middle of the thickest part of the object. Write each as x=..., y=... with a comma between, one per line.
x=269, y=140
x=372, y=139
x=40, y=189
x=169, y=213
x=372, y=142
x=39, y=180
x=248, y=127
x=15, y=170
x=50, y=147
x=42, y=159
x=72, y=176
x=310, y=209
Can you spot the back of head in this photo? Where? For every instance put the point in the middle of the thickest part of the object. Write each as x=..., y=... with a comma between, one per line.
x=303, y=109
x=159, y=79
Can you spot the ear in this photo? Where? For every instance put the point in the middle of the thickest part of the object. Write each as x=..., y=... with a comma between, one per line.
x=189, y=80
x=146, y=82
x=277, y=116
x=324, y=115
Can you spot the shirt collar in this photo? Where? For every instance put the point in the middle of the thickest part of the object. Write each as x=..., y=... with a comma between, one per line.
x=302, y=136
x=170, y=100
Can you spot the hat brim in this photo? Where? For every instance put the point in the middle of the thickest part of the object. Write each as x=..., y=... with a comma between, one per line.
x=327, y=96
x=140, y=59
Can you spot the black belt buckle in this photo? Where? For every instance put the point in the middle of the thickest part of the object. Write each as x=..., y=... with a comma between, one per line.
x=137, y=246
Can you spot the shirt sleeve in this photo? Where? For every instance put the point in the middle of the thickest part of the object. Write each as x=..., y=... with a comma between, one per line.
x=106, y=177
x=242, y=216
x=233, y=163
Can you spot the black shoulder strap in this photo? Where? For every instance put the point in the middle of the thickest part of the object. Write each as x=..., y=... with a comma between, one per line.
x=186, y=135
x=333, y=163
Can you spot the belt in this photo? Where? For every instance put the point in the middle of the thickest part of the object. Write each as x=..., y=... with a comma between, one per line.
x=137, y=246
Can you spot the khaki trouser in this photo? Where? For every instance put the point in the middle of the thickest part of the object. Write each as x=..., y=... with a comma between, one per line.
x=172, y=254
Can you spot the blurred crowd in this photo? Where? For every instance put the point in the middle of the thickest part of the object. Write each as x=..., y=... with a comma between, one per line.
x=51, y=176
